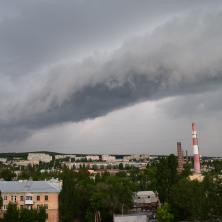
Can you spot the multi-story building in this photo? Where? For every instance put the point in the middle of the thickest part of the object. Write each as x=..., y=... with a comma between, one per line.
x=136, y=157
x=63, y=156
x=32, y=194
x=108, y=158
x=39, y=157
x=26, y=162
x=92, y=157
x=3, y=160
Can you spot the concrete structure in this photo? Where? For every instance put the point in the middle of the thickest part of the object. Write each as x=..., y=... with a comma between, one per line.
x=108, y=158
x=39, y=157
x=136, y=157
x=145, y=200
x=57, y=157
x=92, y=158
x=198, y=177
x=26, y=162
x=130, y=218
x=180, y=157
x=32, y=194
x=196, y=154
x=3, y=160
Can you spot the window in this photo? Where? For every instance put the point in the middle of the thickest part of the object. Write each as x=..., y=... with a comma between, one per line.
x=21, y=198
x=148, y=196
x=11, y=198
x=28, y=197
x=5, y=207
x=38, y=198
x=15, y=199
x=46, y=206
x=46, y=197
x=5, y=197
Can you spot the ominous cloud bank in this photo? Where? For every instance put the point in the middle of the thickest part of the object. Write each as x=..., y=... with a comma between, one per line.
x=181, y=57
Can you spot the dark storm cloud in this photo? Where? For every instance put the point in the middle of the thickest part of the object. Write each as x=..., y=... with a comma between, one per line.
x=180, y=57
x=38, y=32
x=171, y=61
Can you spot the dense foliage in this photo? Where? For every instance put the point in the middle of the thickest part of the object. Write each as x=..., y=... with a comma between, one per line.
x=13, y=214
x=82, y=196
x=85, y=196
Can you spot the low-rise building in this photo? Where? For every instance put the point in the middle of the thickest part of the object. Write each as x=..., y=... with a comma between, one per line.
x=131, y=218
x=145, y=200
x=32, y=194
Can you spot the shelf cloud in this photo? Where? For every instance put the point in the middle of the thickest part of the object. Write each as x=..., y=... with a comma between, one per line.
x=181, y=57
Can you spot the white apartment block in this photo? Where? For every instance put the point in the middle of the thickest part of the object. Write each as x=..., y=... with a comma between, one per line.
x=136, y=157
x=108, y=158
x=26, y=162
x=3, y=160
x=92, y=157
x=39, y=157
x=61, y=156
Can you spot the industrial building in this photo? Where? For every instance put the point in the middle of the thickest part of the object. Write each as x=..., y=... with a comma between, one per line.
x=180, y=157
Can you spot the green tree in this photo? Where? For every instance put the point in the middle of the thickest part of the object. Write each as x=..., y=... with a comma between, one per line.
x=67, y=200
x=166, y=175
x=12, y=213
x=7, y=174
x=188, y=200
x=164, y=214
x=27, y=215
x=42, y=215
x=213, y=191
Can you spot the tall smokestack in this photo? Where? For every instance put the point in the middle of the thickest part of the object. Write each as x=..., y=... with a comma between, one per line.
x=180, y=157
x=196, y=155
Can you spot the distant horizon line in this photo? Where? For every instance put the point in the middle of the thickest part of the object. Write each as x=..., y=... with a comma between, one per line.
x=120, y=154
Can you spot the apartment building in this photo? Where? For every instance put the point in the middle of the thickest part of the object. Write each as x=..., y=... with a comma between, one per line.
x=39, y=157
x=92, y=157
x=32, y=194
x=108, y=158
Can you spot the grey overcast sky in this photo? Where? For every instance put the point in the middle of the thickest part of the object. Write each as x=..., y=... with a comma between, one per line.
x=110, y=76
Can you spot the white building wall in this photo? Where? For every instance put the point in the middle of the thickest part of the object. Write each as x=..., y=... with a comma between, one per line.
x=130, y=218
x=39, y=157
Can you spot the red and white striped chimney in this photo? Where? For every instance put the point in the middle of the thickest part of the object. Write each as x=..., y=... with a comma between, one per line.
x=196, y=155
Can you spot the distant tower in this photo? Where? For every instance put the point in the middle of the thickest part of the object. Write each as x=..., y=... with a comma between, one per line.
x=187, y=156
x=180, y=157
x=196, y=155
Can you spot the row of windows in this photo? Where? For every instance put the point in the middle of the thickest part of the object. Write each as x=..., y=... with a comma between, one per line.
x=29, y=207
x=14, y=198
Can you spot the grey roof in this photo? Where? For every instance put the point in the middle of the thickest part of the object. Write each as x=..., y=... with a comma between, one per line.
x=29, y=186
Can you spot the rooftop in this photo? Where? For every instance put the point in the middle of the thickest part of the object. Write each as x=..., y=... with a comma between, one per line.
x=29, y=186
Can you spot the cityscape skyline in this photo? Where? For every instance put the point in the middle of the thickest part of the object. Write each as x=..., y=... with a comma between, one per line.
x=110, y=77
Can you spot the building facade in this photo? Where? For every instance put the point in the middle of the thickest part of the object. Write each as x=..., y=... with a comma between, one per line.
x=31, y=195
x=39, y=157
x=180, y=158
